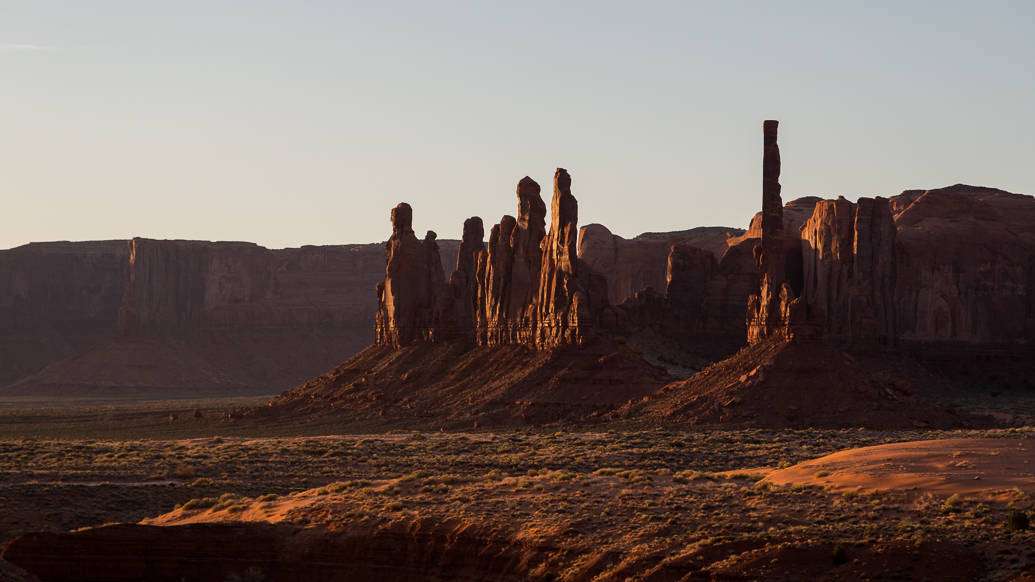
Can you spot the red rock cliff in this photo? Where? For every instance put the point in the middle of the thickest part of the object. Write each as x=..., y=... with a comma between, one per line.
x=965, y=269
x=631, y=265
x=848, y=256
x=56, y=299
x=181, y=316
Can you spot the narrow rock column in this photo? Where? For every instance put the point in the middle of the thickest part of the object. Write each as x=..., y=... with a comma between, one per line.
x=458, y=313
x=414, y=281
x=764, y=309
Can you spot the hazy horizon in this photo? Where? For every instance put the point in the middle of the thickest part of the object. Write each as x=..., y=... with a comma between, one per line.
x=288, y=125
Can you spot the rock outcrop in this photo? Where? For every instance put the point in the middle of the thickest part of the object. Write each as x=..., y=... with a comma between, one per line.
x=564, y=310
x=457, y=311
x=787, y=375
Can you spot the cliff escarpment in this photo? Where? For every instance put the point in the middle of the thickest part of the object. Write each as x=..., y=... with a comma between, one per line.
x=56, y=299
x=180, y=317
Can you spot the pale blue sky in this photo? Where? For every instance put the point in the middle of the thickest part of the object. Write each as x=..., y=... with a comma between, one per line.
x=289, y=123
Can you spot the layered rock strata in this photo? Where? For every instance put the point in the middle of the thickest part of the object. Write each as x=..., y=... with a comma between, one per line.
x=564, y=309
x=457, y=310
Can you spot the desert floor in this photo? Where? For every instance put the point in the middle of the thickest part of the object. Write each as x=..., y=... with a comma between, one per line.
x=629, y=503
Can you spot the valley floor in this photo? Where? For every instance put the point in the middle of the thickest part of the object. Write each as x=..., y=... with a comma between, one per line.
x=659, y=504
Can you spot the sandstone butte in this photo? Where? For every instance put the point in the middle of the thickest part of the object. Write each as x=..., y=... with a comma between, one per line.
x=823, y=292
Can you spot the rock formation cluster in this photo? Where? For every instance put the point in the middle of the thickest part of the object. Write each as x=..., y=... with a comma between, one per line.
x=526, y=286
x=930, y=270
x=834, y=278
x=945, y=272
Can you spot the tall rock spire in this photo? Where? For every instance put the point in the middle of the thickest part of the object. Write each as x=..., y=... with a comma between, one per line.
x=767, y=310
x=563, y=310
x=414, y=281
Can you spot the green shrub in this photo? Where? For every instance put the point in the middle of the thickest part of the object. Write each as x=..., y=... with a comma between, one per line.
x=1017, y=521
x=839, y=555
x=182, y=471
x=952, y=504
x=200, y=503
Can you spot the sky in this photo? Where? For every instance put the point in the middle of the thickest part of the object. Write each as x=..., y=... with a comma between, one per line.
x=290, y=123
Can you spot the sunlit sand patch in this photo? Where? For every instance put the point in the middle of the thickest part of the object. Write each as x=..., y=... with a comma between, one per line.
x=986, y=468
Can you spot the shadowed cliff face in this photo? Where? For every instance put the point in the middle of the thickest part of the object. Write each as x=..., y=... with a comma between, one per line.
x=965, y=269
x=169, y=316
x=631, y=265
x=55, y=300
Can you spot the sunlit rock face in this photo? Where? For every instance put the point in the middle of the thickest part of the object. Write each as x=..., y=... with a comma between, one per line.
x=526, y=286
x=848, y=262
x=508, y=272
x=533, y=289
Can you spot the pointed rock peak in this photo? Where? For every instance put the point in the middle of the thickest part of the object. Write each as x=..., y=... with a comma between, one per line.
x=565, y=207
x=402, y=219
x=531, y=208
x=562, y=181
x=474, y=231
x=430, y=235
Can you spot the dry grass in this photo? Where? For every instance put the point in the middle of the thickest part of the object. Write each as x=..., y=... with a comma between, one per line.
x=656, y=491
